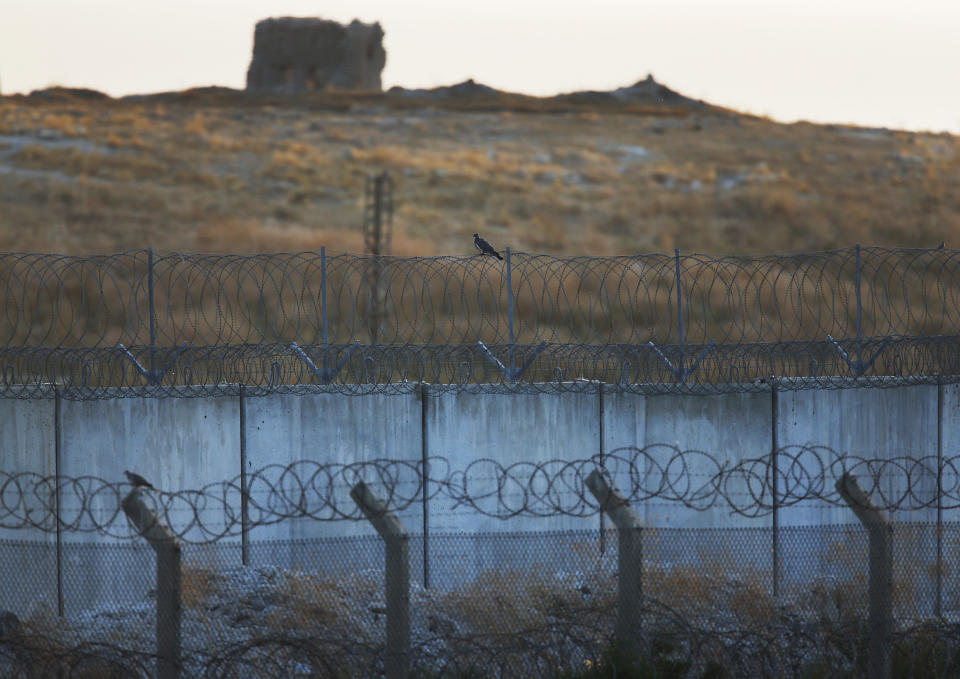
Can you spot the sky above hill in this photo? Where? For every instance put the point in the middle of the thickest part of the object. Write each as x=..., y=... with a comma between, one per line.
x=891, y=63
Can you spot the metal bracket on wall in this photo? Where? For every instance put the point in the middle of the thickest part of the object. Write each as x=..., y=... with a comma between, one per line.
x=512, y=373
x=681, y=373
x=325, y=375
x=153, y=377
x=859, y=366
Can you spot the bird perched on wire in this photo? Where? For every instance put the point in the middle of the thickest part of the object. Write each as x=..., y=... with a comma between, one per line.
x=137, y=480
x=484, y=247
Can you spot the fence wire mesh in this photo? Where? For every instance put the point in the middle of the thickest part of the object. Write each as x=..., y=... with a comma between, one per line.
x=781, y=596
x=194, y=323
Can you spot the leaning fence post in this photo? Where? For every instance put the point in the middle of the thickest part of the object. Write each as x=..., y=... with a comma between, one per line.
x=630, y=557
x=167, y=547
x=880, y=533
x=397, y=542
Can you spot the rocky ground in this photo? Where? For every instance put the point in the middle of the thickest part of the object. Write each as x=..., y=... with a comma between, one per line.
x=271, y=622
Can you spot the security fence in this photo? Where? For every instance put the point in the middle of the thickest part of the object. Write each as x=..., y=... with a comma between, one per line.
x=776, y=598
x=191, y=324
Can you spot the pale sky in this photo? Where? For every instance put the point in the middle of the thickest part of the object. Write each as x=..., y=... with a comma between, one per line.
x=869, y=62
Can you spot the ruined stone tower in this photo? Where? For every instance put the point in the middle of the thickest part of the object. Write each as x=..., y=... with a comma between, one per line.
x=295, y=54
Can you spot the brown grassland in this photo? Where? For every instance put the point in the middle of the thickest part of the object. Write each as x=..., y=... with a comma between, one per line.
x=215, y=171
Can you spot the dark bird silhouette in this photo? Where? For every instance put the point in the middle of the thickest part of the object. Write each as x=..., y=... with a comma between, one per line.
x=941, y=246
x=484, y=247
x=137, y=480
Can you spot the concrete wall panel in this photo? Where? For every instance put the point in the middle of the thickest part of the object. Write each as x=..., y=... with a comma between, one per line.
x=331, y=429
x=522, y=431
x=870, y=423
x=28, y=556
x=188, y=443
x=728, y=427
x=176, y=444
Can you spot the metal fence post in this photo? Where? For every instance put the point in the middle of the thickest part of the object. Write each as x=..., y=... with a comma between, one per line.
x=938, y=600
x=244, y=498
x=165, y=543
x=859, y=312
x=774, y=464
x=153, y=317
x=58, y=491
x=676, y=264
x=396, y=540
x=629, y=561
x=603, y=525
x=425, y=476
x=323, y=306
x=509, y=264
x=880, y=587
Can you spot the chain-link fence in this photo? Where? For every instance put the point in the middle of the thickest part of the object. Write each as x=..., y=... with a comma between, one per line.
x=535, y=322
x=783, y=595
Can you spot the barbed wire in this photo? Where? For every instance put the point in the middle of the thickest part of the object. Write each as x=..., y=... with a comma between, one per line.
x=82, y=374
x=671, y=642
x=204, y=300
x=289, y=320
x=695, y=479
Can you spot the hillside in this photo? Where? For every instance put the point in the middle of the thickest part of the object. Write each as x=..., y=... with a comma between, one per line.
x=639, y=169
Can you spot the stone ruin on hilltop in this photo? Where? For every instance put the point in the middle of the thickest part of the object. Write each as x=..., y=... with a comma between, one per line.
x=296, y=54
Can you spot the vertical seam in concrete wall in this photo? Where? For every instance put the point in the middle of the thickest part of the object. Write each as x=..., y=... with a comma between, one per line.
x=244, y=504
x=774, y=443
x=57, y=510
x=600, y=411
x=424, y=485
x=938, y=597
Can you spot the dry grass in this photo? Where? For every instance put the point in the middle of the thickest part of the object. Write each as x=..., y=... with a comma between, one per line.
x=208, y=172
x=213, y=172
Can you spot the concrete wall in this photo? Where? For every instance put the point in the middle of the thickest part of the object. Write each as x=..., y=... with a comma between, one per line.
x=173, y=443
x=28, y=558
x=188, y=443
x=328, y=428
x=883, y=424
x=728, y=427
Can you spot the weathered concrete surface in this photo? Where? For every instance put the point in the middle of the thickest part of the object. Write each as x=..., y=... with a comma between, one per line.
x=187, y=443
x=28, y=558
x=479, y=432
x=727, y=427
x=332, y=430
x=28, y=445
x=175, y=444
x=872, y=423
x=950, y=432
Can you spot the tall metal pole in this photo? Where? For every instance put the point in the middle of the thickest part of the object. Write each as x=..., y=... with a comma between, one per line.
x=425, y=486
x=377, y=227
x=58, y=508
x=244, y=499
x=510, y=304
x=859, y=314
x=323, y=305
x=938, y=599
x=676, y=262
x=153, y=329
x=775, y=445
